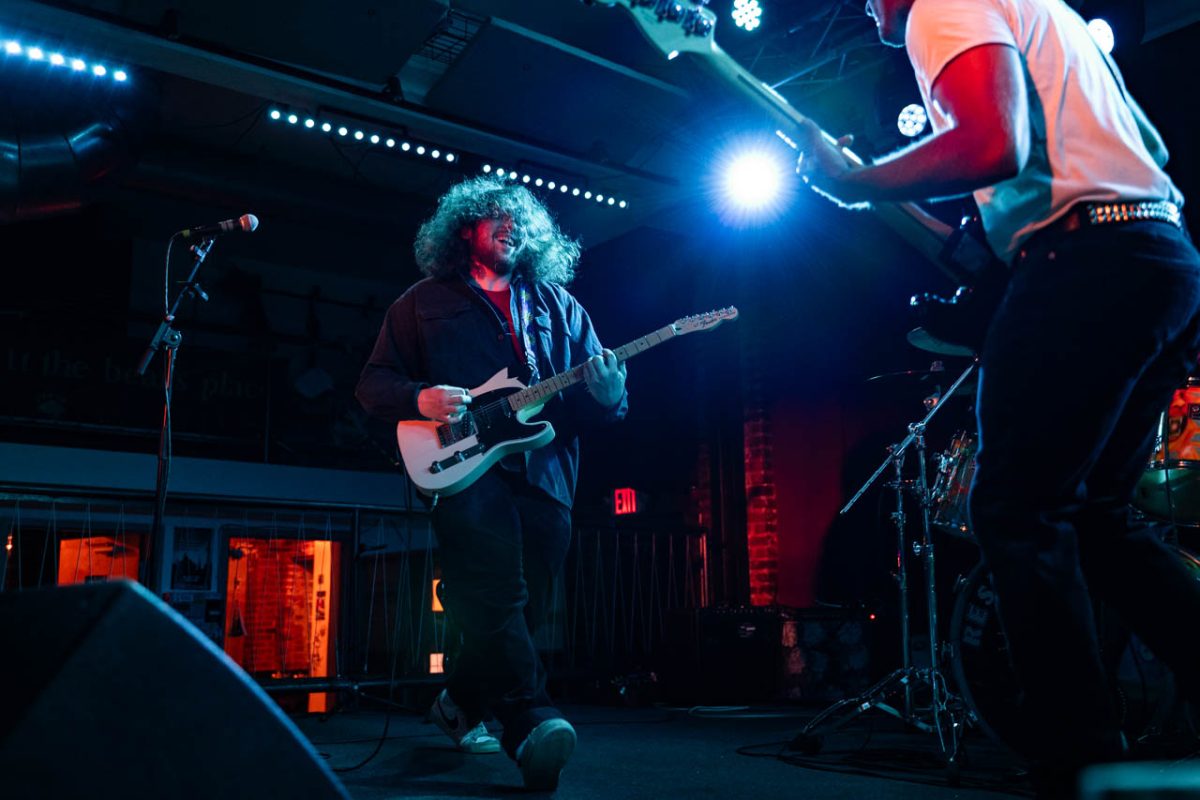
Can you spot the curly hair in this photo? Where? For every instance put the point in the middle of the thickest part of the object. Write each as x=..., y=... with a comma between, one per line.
x=548, y=255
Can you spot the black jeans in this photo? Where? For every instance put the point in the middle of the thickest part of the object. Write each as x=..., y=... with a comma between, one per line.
x=502, y=545
x=1096, y=331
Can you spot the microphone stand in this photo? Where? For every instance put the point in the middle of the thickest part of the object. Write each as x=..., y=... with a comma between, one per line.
x=168, y=339
x=945, y=714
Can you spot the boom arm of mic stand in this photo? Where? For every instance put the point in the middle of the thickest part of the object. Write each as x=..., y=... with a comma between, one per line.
x=166, y=335
x=914, y=431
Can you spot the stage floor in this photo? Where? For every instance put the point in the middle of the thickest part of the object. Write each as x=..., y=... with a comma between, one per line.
x=655, y=753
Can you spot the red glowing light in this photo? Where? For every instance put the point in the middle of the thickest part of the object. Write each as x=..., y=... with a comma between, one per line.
x=871, y=616
x=624, y=501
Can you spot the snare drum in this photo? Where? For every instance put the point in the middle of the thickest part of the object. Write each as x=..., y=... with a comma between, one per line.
x=956, y=468
x=1170, y=487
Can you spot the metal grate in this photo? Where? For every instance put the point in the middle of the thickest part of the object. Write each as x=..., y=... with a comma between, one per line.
x=452, y=36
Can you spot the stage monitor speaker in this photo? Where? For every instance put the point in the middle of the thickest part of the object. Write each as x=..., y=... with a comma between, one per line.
x=108, y=692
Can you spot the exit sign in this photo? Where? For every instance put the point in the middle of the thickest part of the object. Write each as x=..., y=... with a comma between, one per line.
x=624, y=502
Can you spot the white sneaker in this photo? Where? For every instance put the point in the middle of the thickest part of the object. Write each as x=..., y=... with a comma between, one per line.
x=544, y=753
x=470, y=739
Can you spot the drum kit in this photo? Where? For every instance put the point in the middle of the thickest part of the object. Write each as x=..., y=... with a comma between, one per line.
x=968, y=681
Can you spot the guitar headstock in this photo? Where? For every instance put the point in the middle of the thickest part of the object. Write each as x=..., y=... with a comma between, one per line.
x=673, y=26
x=704, y=322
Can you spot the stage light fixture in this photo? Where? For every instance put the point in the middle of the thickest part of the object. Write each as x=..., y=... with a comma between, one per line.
x=753, y=180
x=34, y=53
x=747, y=14
x=912, y=120
x=1102, y=32
x=542, y=182
x=365, y=137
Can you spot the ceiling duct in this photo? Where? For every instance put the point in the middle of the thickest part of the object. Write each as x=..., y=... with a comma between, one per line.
x=62, y=134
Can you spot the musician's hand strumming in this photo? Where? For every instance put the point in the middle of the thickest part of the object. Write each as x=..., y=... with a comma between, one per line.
x=443, y=403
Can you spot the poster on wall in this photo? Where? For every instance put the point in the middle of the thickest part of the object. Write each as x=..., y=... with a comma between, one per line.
x=191, y=559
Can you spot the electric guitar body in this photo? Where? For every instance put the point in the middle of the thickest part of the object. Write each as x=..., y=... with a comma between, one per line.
x=453, y=455
x=443, y=458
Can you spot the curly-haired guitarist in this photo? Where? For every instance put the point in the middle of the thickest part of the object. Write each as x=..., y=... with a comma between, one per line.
x=496, y=264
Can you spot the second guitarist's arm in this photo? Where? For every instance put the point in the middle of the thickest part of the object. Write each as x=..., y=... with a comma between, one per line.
x=988, y=143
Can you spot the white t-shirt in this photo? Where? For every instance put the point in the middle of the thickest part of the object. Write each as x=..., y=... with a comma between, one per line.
x=1086, y=144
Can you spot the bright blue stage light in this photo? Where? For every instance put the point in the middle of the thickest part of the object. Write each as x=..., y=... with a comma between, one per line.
x=912, y=120
x=12, y=48
x=747, y=14
x=753, y=180
x=120, y=76
x=1102, y=32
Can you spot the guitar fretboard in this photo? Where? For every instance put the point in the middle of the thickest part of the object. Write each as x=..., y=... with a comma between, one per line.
x=543, y=390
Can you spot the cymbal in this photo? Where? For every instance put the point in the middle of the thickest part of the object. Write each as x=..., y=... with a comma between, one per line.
x=924, y=340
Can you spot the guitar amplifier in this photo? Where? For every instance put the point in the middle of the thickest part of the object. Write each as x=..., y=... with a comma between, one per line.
x=763, y=654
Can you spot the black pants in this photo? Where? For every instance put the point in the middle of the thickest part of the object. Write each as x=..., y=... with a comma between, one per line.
x=1096, y=331
x=502, y=545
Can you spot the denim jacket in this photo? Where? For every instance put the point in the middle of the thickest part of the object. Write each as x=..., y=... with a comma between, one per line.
x=444, y=331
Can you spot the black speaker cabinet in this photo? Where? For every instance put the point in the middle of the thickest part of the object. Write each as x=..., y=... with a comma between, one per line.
x=722, y=655
x=757, y=654
x=110, y=693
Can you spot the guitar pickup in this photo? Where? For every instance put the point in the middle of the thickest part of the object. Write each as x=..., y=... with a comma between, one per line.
x=451, y=432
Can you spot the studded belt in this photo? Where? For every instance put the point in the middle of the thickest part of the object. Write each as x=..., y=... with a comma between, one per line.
x=1084, y=215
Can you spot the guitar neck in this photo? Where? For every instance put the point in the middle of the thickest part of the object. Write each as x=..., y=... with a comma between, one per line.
x=543, y=390
x=924, y=232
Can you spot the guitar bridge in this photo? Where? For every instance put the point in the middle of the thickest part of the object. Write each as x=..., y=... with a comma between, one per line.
x=458, y=457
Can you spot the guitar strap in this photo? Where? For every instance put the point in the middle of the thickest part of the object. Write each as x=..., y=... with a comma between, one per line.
x=525, y=311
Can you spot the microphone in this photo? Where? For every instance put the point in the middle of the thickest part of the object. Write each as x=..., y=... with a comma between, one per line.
x=246, y=222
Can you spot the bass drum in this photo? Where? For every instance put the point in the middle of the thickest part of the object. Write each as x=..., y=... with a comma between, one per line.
x=985, y=680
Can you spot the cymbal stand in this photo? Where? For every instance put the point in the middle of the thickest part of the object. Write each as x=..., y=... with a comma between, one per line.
x=946, y=713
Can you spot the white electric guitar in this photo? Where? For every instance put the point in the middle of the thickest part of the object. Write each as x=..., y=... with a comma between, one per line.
x=444, y=458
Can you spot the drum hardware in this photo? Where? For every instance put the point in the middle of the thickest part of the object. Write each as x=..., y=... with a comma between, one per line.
x=945, y=715
x=1169, y=488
